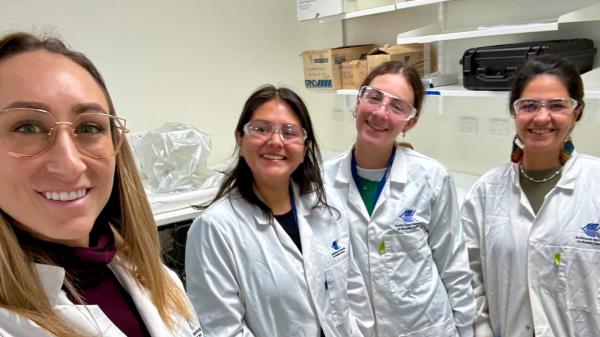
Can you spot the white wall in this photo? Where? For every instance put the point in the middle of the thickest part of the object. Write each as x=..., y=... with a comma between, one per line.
x=184, y=61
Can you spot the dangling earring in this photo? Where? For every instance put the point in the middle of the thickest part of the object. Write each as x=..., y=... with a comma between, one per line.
x=516, y=154
x=354, y=112
x=567, y=150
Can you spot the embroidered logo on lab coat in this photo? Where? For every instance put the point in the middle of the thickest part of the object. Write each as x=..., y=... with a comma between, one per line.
x=407, y=221
x=592, y=234
x=196, y=329
x=337, y=249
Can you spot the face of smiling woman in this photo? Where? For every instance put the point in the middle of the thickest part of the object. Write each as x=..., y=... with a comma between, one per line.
x=544, y=133
x=30, y=186
x=271, y=161
x=379, y=127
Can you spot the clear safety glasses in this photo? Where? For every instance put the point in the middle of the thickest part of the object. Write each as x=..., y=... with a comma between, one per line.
x=559, y=106
x=26, y=132
x=375, y=99
x=289, y=133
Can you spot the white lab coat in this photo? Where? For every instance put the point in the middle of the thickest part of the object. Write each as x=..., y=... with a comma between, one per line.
x=416, y=266
x=89, y=319
x=246, y=277
x=547, y=264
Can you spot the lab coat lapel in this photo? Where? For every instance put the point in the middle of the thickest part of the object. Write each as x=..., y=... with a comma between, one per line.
x=262, y=220
x=396, y=176
x=344, y=178
x=304, y=215
x=90, y=319
x=523, y=201
x=143, y=302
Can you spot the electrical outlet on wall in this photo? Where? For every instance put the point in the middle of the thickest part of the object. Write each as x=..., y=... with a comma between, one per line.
x=468, y=125
x=498, y=127
x=338, y=115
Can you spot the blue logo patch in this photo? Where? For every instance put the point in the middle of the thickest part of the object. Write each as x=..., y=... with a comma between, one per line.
x=338, y=250
x=592, y=230
x=407, y=216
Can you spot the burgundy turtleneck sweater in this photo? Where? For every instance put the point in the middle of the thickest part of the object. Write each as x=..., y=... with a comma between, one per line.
x=87, y=269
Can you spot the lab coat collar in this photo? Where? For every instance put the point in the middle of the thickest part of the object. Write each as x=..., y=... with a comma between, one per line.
x=52, y=279
x=568, y=177
x=398, y=172
x=304, y=206
x=142, y=299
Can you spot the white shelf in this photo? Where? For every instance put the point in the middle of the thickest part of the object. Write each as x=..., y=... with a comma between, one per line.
x=416, y=3
x=390, y=8
x=347, y=92
x=184, y=214
x=458, y=90
x=592, y=93
x=433, y=32
x=370, y=11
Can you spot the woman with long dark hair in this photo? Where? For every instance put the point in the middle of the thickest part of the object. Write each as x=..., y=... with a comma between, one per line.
x=271, y=255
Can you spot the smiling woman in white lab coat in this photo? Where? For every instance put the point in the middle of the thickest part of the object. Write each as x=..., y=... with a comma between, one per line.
x=79, y=250
x=404, y=220
x=533, y=225
x=271, y=256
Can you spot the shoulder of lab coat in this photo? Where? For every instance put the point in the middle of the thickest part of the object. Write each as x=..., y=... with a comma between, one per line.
x=211, y=269
x=89, y=318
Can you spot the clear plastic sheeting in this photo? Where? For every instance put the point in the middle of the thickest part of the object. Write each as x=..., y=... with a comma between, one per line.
x=173, y=160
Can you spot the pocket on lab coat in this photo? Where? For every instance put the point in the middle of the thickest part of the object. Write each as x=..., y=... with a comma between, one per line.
x=337, y=291
x=408, y=262
x=579, y=278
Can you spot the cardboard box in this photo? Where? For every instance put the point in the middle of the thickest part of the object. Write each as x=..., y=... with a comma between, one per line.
x=353, y=73
x=412, y=54
x=322, y=68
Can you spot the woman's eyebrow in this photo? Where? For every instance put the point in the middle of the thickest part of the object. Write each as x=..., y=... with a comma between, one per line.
x=27, y=105
x=87, y=107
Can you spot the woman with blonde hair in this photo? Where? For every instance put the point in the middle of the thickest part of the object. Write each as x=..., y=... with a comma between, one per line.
x=79, y=252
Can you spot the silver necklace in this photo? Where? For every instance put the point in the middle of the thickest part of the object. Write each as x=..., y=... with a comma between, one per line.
x=543, y=180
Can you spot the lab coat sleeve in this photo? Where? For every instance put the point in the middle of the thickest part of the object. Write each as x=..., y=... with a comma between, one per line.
x=212, y=281
x=472, y=220
x=361, y=312
x=449, y=253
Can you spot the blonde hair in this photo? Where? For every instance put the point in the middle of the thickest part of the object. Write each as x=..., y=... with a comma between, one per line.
x=127, y=211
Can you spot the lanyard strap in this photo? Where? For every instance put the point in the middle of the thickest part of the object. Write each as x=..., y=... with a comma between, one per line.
x=293, y=203
x=383, y=179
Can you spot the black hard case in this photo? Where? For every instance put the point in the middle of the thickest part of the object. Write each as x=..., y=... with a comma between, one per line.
x=495, y=67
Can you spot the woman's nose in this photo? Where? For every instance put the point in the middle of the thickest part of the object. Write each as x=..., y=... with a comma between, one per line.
x=64, y=158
